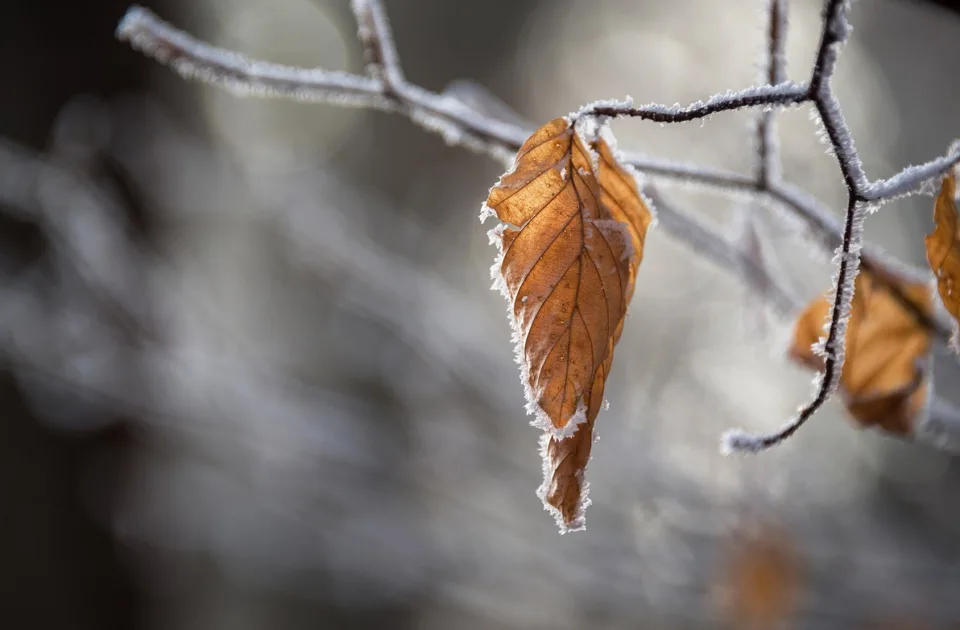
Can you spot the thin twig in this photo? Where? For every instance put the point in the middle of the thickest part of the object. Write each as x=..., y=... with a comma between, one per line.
x=195, y=59
x=374, y=33
x=780, y=95
x=908, y=180
x=768, y=157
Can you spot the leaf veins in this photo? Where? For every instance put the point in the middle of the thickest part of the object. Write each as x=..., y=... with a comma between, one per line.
x=883, y=382
x=570, y=246
x=943, y=249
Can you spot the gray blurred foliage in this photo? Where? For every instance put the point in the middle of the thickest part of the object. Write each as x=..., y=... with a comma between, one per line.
x=332, y=428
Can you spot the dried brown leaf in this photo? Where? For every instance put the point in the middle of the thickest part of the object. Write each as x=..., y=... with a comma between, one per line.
x=943, y=248
x=571, y=241
x=882, y=382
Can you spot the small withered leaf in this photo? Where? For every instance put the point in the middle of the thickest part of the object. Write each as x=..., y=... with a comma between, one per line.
x=574, y=224
x=943, y=249
x=883, y=382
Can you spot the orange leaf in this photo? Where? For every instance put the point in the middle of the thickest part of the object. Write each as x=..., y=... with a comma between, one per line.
x=571, y=243
x=882, y=383
x=943, y=248
x=761, y=584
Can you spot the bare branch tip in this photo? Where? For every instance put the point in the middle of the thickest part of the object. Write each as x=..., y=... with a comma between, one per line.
x=739, y=442
x=132, y=21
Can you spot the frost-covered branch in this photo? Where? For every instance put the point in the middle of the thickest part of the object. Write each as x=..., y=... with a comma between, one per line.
x=768, y=157
x=374, y=32
x=911, y=178
x=781, y=95
x=833, y=35
x=445, y=114
x=197, y=60
x=194, y=59
x=463, y=125
x=821, y=223
x=459, y=124
x=836, y=29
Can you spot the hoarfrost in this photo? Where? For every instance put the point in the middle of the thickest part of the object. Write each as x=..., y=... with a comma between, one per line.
x=587, y=111
x=917, y=176
x=485, y=213
x=786, y=93
x=495, y=237
x=570, y=428
x=587, y=129
x=842, y=140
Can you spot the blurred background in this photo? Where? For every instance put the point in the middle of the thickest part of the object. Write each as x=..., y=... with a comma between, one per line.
x=253, y=375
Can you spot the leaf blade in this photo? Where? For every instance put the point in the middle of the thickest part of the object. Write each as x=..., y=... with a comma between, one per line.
x=943, y=249
x=570, y=244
